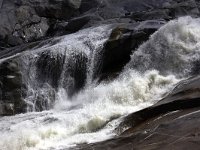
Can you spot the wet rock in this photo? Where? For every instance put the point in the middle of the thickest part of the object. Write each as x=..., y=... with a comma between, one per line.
x=28, y=46
x=124, y=39
x=75, y=73
x=58, y=28
x=43, y=99
x=176, y=130
x=59, y=73
x=172, y=123
x=74, y=3
x=49, y=69
x=6, y=109
x=12, y=89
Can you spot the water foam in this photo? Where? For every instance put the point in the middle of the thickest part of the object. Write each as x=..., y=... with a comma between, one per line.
x=93, y=114
x=93, y=117
x=173, y=49
x=53, y=64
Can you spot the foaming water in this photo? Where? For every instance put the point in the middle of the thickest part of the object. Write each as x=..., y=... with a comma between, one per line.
x=173, y=49
x=59, y=66
x=93, y=114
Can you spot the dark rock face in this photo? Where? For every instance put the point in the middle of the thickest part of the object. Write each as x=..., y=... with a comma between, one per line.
x=172, y=123
x=25, y=21
x=76, y=74
x=11, y=87
x=55, y=71
x=124, y=39
x=49, y=69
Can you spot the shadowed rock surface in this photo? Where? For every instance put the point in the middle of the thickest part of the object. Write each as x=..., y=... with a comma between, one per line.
x=12, y=90
x=123, y=41
x=25, y=21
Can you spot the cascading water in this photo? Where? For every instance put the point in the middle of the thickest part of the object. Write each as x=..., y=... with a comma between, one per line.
x=62, y=67
x=93, y=113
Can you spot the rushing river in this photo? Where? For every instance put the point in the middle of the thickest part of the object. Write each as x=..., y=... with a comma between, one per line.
x=95, y=111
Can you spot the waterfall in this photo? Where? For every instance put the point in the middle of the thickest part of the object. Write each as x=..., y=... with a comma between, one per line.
x=80, y=110
x=67, y=66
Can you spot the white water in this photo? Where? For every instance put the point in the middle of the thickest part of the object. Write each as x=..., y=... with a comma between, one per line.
x=172, y=50
x=84, y=44
x=62, y=127
x=92, y=114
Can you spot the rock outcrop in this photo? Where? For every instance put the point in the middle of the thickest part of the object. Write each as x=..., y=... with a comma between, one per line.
x=25, y=21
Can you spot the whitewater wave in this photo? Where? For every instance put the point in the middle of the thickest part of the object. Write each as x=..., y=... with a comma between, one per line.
x=173, y=49
x=92, y=115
